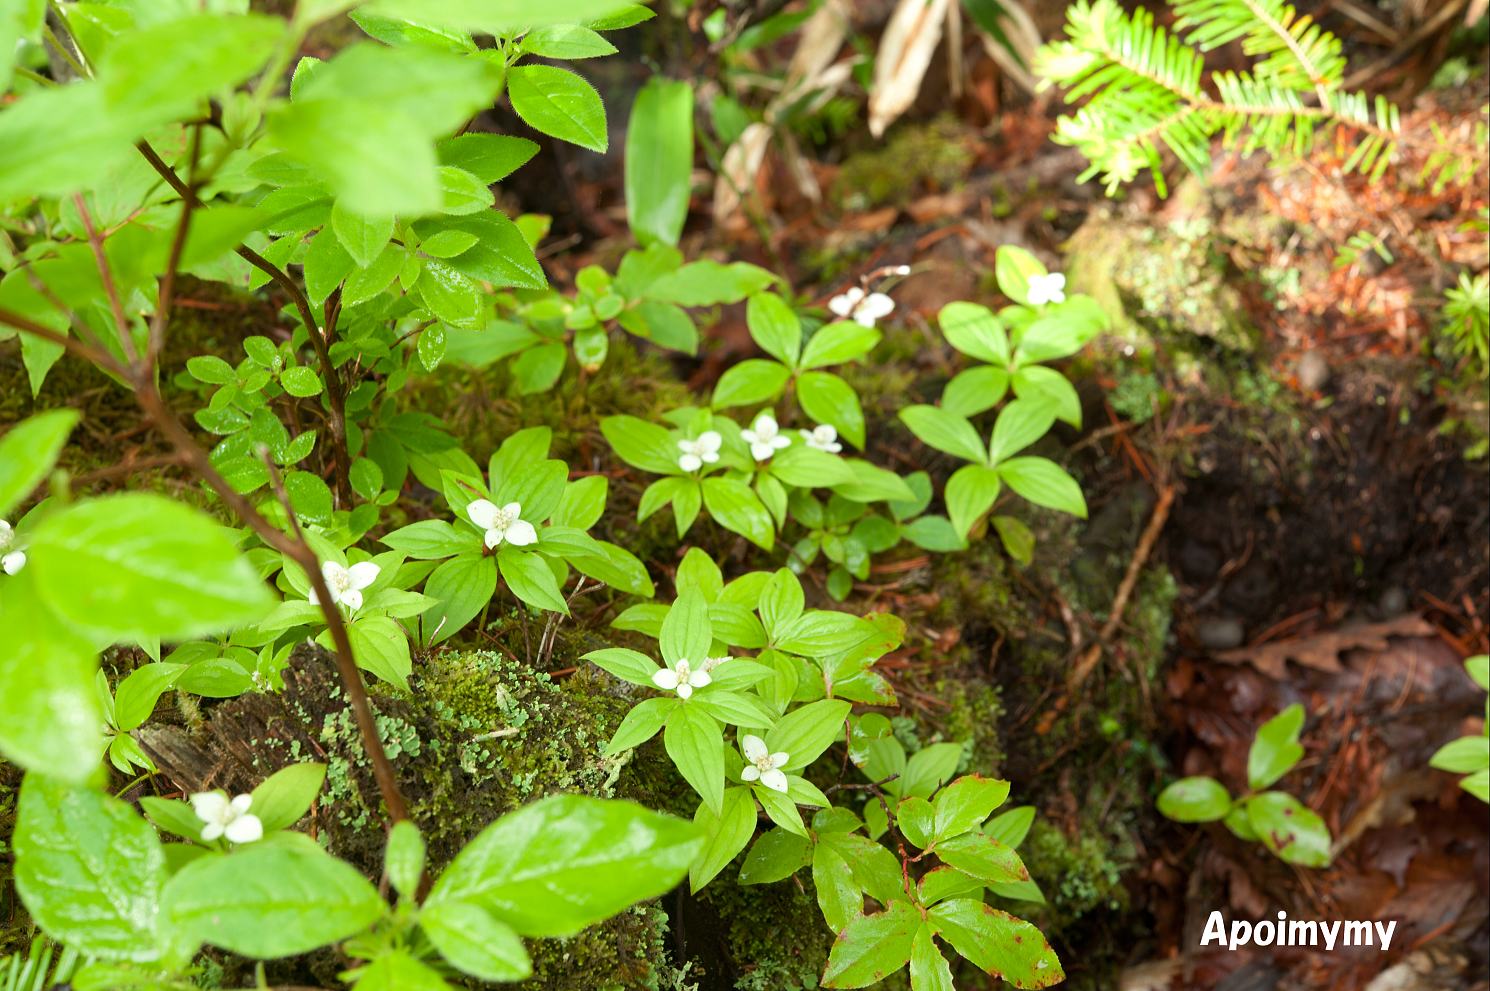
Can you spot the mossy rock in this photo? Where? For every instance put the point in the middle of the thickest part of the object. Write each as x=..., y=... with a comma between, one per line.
x=918, y=159
x=479, y=735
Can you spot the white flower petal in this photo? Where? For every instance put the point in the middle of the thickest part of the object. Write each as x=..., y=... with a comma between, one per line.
x=352, y=599
x=521, y=533
x=699, y=678
x=666, y=679
x=779, y=442
x=685, y=690
x=876, y=306
x=753, y=746
x=210, y=806
x=244, y=829
x=493, y=537
x=750, y=436
x=513, y=509
x=760, y=451
x=315, y=600
x=240, y=803
x=687, y=446
x=691, y=462
x=1057, y=281
x=844, y=304
x=774, y=780
x=483, y=513
x=709, y=441
x=333, y=573
x=779, y=758
x=710, y=456
x=364, y=574
x=750, y=773
x=211, y=831
x=13, y=562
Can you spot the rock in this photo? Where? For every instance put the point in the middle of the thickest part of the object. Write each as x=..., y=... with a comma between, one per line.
x=1220, y=632
x=1313, y=371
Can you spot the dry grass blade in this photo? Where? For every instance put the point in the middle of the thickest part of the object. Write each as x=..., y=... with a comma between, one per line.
x=905, y=53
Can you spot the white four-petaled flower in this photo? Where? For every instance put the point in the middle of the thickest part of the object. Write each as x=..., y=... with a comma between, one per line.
x=764, y=437
x=764, y=766
x=823, y=437
x=703, y=450
x=864, y=309
x=1050, y=288
x=346, y=584
x=226, y=818
x=11, y=561
x=682, y=678
x=502, y=525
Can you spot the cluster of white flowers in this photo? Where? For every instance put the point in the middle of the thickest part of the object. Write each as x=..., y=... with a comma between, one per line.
x=764, y=766
x=765, y=437
x=346, y=584
x=502, y=525
x=225, y=818
x=11, y=560
x=864, y=309
x=1050, y=288
x=702, y=450
x=683, y=677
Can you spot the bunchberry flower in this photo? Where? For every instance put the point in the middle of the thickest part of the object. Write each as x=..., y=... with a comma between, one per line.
x=346, y=584
x=763, y=765
x=1049, y=288
x=865, y=309
x=502, y=524
x=226, y=818
x=823, y=437
x=682, y=678
x=764, y=437
x=12, y=559
x=703, y=450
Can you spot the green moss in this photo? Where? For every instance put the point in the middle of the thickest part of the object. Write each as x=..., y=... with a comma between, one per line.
x=1078, y=874
x=918, y=159
x=774, y=935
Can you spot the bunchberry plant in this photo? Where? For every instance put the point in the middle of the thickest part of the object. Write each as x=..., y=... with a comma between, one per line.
x=1470, y=755
x=1280, y=822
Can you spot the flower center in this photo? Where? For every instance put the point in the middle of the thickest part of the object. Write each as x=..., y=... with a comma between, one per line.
x=341, y=581
x=763, y=762
x=504, y=519
x=684, y=670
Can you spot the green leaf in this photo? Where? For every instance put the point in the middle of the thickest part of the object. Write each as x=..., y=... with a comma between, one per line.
x=503, y=18
x=473, y=941
x=430, y=539
x=641, y=444
x=945, y=431
x=301, y=381
x=829, y=399
x=1463, y=756
x=725, y=835
x=916, y=820
x=837, y=343
x=776, y=856
x=88, y=869
x=750, y=382
x=559, y=103
x=872, y=947
x=659, y=159
x=965, y=803
x=1051, y=388
x=135, y=698
x=971, y=492
x=1044, y=483
x=1019, y=424
x=928, y=768
x=403, y=861
x=380, y=647
x=139, y=566
x=489, y=157
x=1013, y=266
x=708, y=283
x=1276, y=748
x=571, y=41
x=640, y=724
x=1287, y=827
x=28, y=451
x=282, y=798
x=929, y=969
x=997, y=942
x=694, y=743
x=839, y=896
x=1018, y=539
x=1197, y=799
x=462, y=587
x=364, y=237
x=686, y=632
x=531, y=579
x=566, y=862
x=804, y=733
x=396, y=970
x=976, y=332
x=373, y=162
x=1010, y=828
x=270, y=899
x=628, y=665
x=775, y=327
x=19, y=21
x=736, y=507
x=983, y=857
